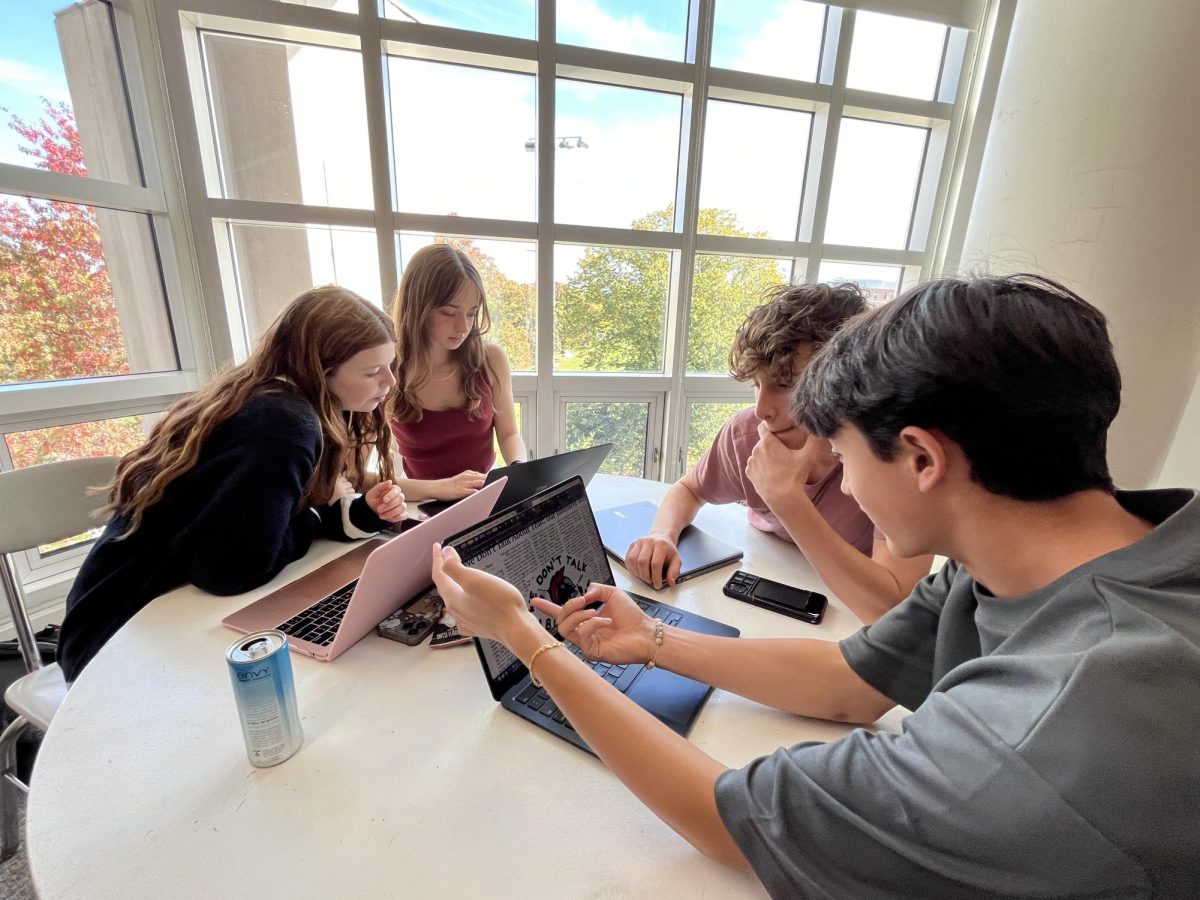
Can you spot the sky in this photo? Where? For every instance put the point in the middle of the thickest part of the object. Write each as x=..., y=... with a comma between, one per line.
x=30, y=67
x=459, y=133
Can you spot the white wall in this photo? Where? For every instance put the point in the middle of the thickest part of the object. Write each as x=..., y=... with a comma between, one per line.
x=1182, y=467
x=1090, y=176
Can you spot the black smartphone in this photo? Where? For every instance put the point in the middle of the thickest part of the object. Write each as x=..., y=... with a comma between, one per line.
x=807, y=606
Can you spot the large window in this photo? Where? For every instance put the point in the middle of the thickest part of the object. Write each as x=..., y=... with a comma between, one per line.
x=629, y=189
x=630, y=179
x=94, y=334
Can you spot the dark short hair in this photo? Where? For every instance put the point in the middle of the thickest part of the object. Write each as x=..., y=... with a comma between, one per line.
x=791, y=316
x=1018, y=371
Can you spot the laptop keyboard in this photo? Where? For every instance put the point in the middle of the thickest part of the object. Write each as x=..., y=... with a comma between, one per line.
x=621, y=677
x=320, y=622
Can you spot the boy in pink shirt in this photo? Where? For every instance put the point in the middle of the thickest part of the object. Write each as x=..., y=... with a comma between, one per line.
x=720, y=477
x=789, y=482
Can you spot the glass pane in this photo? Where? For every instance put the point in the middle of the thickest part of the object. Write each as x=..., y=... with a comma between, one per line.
x=875, y=177
x=62, y=92
x=879, y=283
x=519, y=407
x=509, y=272
x=610, y=306
x=621, y=424
x=277, y=263
x=617, y=153
x=724, y=290
x=770, y=37
x=646, y=29
x=108, y=437
x=80, y=293
x=450, y=163
x=751, y=186
x=290, y=121
x=514, y=18
x=704, y=421
x=896, y=55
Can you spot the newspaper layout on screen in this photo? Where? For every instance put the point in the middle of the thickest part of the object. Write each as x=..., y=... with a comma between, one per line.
x=548, y=549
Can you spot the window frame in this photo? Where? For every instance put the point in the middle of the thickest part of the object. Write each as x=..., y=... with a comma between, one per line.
x=827, y=99
x=160, y=56
x=161, y=198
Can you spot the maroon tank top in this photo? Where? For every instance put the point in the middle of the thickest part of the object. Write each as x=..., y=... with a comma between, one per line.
x=446, y=442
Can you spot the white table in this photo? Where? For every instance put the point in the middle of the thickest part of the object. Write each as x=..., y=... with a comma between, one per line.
x=411, y=782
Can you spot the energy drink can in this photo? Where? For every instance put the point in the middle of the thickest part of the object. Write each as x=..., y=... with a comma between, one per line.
x=260, y=669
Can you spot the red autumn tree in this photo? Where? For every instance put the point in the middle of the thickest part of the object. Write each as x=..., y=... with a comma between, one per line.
x=57, y=315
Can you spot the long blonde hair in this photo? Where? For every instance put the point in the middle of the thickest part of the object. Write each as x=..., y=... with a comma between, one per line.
x=431, y=279
x=316, y=333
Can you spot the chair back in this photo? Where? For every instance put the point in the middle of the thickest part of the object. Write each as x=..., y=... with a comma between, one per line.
x=40, y=505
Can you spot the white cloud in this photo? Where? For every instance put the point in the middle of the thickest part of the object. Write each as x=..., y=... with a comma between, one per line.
x=753, y=164
x=34, y=80
x=584, y=22
x=787, y=45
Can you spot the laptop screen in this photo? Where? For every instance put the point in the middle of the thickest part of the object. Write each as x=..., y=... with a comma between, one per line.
x=546, y=546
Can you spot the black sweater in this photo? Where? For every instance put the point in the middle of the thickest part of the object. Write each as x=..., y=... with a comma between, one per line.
x=227, y=525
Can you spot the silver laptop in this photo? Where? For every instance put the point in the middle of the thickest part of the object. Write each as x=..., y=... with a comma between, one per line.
x=699, y=551
x=332, y=608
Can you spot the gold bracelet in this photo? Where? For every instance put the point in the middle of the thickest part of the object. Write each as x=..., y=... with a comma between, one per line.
x=536, y=653
x=658, y=636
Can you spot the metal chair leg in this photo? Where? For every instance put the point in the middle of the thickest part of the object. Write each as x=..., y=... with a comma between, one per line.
x=10, y=837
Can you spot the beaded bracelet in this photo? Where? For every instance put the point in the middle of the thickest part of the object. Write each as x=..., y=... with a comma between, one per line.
x=536, y=653
x=658, y=638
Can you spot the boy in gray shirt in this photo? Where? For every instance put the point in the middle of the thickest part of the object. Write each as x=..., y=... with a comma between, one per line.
x=1053, y=666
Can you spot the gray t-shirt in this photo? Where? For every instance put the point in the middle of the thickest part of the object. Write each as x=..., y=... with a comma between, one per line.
x=1053, y=751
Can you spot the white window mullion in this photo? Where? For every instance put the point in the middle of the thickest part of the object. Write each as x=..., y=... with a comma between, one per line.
x=687, y=210
x=976, y=99
x=550, y=424
x=215, y=341
x=45, y=185
x=826, y=128
x=380, y=147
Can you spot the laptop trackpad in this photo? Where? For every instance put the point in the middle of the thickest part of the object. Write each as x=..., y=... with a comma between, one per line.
x=672, y=698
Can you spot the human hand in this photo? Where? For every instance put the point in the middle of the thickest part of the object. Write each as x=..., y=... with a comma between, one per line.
x=387, y=501
x=617, y=632
x=341, y=488
x=778, y=472
x=461, y=485
x=649, y=557
x=483, y=605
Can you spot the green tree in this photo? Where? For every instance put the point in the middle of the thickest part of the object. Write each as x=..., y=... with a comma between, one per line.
x=621, y=424
x=724, y=290
x=611, y=313
x=610, y=317
x=706, y=421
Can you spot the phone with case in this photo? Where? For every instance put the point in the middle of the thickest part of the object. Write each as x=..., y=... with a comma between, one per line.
x=807, y=606
x=412, y=623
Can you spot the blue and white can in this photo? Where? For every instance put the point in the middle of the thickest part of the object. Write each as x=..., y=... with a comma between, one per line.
x=260, y=668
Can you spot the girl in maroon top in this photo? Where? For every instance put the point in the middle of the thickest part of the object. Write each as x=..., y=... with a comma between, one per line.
x=455, y=389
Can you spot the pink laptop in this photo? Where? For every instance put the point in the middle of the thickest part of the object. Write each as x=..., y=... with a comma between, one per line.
x=329, y=610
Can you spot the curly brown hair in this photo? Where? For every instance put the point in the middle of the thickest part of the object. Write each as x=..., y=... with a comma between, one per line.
x=791, y=317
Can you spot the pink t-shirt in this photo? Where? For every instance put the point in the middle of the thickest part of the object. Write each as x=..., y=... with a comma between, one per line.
x=720, y=477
